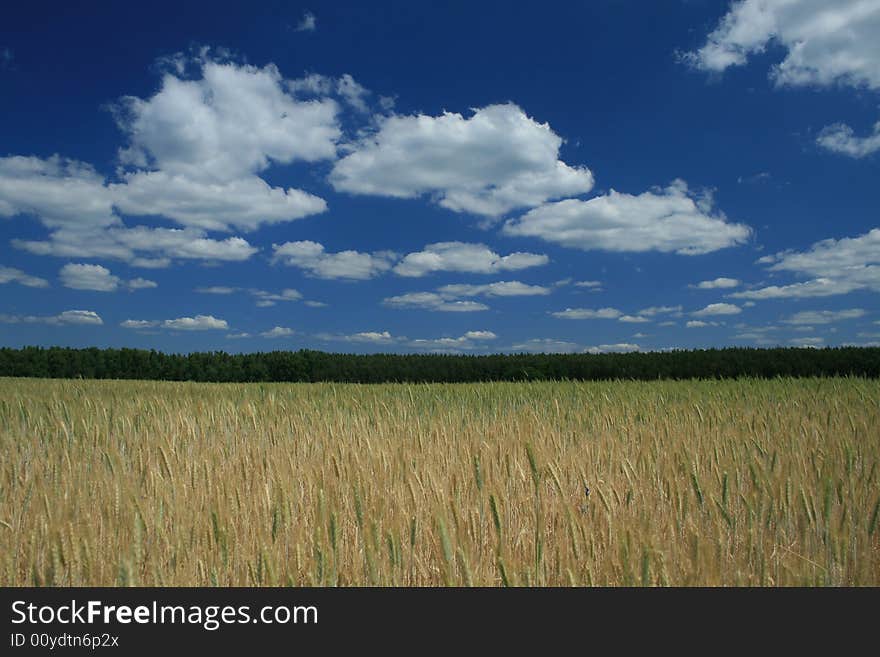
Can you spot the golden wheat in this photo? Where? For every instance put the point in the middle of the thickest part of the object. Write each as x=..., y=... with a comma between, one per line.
x=691, y=483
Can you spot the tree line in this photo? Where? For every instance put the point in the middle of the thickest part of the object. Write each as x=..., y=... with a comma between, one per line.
x=307, y=365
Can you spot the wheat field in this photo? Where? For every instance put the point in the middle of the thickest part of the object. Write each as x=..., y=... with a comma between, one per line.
x=746, y=482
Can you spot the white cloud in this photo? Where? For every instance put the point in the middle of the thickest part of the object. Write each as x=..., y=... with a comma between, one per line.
x=197, y=323
x=809, y=317
x=217, y=289
x=480, y=335
x=697, y=323
x=840, y=138
x=660, y=310
x=827, y=43
x=808, y=342
x=595, y=286
x=633, y=319
x=308, y=23
x=77, y=317
x=315, y=304
x=62, y=193
x=547, y=346
x=498, y=289
x=98, y=279
x=621, y=347
x=588, y=313
x=139, y=324
x=231, y=122
x=266, y=299
x=88, y=277
x=464, y=257
x=13, y=275
x=278, y=332
x=718, y=309
x=352, y=265
x=718, y=283
x=433, y=301
x=668, y=220
x=141, y=284
x=346, y=88
x=246, y=202
x=140, y=246
x=469, y=341
x=494, y=161
x=833, y=266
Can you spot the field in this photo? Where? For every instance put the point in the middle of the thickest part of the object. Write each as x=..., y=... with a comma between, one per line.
x=744, y=482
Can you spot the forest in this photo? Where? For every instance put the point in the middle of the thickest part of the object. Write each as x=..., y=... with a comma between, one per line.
x=314, y=366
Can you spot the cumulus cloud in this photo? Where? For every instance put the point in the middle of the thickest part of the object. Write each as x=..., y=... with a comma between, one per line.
x=98, y=279
x=470, y=340
x=308, y=23
x=668, y=220
x=62, y=193
x=140, y=246
x=217, y=289
x=651, y=311
x=345, y=88
x=718, y=309
x=552, y=346
x=464, y=257
x=808, y=342
x=228, y=122
x=698, y=323
x=278, y=332
x=13, y=275
x=810, y=317
x=620, y=347
x=840, y=138
x=718, y=283
x=266, y=299
x=197, y=323
x=494, y=161
x=433, y=301
x=246, y=202
x=826, y=43
x=313, y=259
x=197, y=147
x=263, y=298
x=832, y=266
x=588, y=313
x=498, y=289
x=547, y=346
x=69, y=317
x=137, y=324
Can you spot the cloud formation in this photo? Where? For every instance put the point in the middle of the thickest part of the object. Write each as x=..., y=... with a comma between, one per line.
x=671, y=220
x=70, y=317
x=13, y=275
x=489, y=163
x=466, y=258
x=842, y=139
x=826, y=43
x=98, y=279
x=314, y=260
x=832, y=266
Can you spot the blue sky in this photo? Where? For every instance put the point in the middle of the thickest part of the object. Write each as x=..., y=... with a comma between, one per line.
x=447, y=177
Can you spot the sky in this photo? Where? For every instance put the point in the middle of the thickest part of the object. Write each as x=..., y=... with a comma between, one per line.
x=451, y=177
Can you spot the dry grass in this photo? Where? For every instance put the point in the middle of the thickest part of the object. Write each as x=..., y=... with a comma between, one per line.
x=693, y=483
